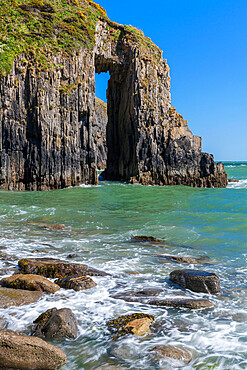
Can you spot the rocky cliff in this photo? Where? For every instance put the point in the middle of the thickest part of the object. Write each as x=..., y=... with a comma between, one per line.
x=49, y=53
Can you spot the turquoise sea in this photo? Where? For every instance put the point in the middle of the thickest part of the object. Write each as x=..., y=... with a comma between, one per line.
x=101, y=221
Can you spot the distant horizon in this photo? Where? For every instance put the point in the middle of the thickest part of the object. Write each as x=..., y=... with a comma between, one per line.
x=204, y=44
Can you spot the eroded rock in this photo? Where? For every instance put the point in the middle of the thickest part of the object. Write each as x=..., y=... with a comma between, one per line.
x=175, y=353
x=54, y=268
x=182, y=303
x=56, y=323
x=196, y=280
x=136, y=323
x=17, y=297
x=76, y=283
x=20, y=351
x=143, y=238
x=29, y=282
x=179, y=259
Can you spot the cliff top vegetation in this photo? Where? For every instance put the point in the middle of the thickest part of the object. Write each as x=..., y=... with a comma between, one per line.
x=41, y=28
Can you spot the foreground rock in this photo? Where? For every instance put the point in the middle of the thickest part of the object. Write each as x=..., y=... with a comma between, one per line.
x=29, y=282
x=175, y=353
x=20, y=351
x=196, y=280
x=17, y=297
x=143, y=238
x=54, y=268
x=56, y=323
x=76, y=283
x=182, y=303
x=136, y=323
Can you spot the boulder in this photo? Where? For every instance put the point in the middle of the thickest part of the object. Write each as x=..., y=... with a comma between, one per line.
x=175, y=353
x=76, y=283
x=178, y=259
x=182, y=303
x=196, y=280
x=17, y=297
x=137, y=323
x=56, y=323
x=143, y=238
x=20, y=351
x=29, y=282
x=233, y=180
x=55, y=268
x=138, y=296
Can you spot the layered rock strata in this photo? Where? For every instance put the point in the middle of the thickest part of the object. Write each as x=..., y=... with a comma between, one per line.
x=49, y=136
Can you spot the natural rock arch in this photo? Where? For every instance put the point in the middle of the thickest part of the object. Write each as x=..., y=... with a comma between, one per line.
x=48, y=124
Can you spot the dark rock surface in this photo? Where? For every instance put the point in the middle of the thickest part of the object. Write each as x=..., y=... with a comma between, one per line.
x=54, y=268
x=29, y=282
x=136, y=323
x=143, y=238
x=76, y=283
x=56, y=323
x=182, y=303
x=48, y=121
x=20, y=351
x=196, y=280
x=175, y=353
x=17, y=297
x=99, y=133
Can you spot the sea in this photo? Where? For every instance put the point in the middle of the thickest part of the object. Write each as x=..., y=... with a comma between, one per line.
x=101, y=222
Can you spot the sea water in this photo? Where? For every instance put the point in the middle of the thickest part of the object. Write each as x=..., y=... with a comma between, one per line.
x=101, y=222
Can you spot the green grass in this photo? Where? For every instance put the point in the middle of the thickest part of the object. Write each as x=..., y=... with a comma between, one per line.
x=37, y=29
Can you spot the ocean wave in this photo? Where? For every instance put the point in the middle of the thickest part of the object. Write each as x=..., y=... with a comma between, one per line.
x=242, y=184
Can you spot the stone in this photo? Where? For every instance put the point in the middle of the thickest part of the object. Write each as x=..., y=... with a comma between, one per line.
x=7, y=257
x=172, y=352
x=72, y=255
x=182, y=303
x=55, y=227
x=76, y=282
x=17, y=297
x=20, y=351
x=137, y=323
x=54, y=268
x=196, y=280
x=54, y=323
x=233, y=180
x=29, y=282
x=138, y=296
x=143, y=238
x=178, y=259
x=99, y=133
x=48, y=116
x=3, y=323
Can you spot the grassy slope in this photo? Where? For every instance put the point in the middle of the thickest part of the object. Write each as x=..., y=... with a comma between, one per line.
x=41, y=28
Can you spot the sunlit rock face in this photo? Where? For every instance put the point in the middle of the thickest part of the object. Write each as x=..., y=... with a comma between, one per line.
x=51, y=136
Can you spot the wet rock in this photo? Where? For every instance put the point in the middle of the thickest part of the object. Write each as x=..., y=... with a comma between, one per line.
x=143, y=238
x=178, y=259
x=55, y=227
x=17, y=297
x=54, y=268
x=138, y=296
x=196, y=280
x=20, y=351
x=3, y=323
x=7, y=257
x=29, y=282
x=182, y=303
x=175, y=353
x=233, y=180
x=73, y=255
x=56, y=323
x=76, y=283
x=137, y=323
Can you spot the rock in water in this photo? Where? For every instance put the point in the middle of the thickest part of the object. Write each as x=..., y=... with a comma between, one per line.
x=16, y=297
x=53, y=268
x=76, y=283
x=20, y=351
x=196, y=280
x=29, y=282
x=136, y=323
x=194, y=304
x=56, y=323
x=175, y=353
x=48, y=117
x=143, y=238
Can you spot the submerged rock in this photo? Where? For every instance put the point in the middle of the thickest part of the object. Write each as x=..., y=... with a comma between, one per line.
x=136, y=323
x=175, y=353
x=17, y=297
x=29, y=282
x=56, y=323
x=139, y=295
x=233, y=180
x=20, y=351
x=54, y=268
x=143, y=238
x=56, y=227
x=76, y=283
x=196, y=280
x=179, y=259
x=182, y=303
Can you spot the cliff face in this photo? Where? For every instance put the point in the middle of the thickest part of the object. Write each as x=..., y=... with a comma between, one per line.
x=49, y=125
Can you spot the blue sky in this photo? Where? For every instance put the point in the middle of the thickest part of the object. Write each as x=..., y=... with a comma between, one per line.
x=205, y=43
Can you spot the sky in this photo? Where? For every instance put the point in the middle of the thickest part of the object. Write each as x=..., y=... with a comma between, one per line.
x=205, y=44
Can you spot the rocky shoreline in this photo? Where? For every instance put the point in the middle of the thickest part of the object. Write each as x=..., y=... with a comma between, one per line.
x=34, y=277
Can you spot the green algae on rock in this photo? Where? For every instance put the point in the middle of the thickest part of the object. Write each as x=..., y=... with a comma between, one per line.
x=29, y=282
x=136, y=323
x=76, y=282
